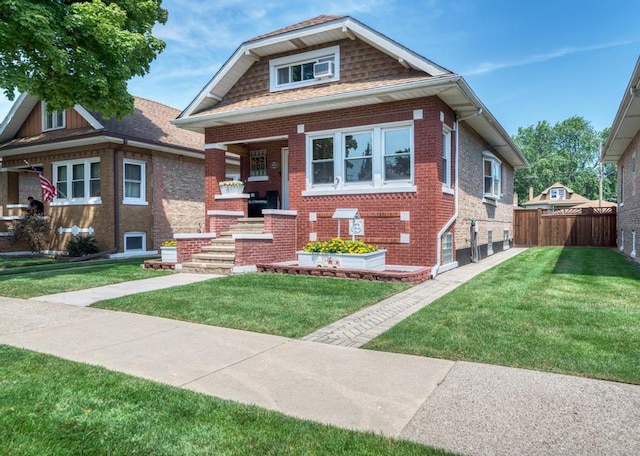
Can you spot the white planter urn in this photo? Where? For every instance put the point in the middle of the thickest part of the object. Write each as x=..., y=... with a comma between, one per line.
x=169, y=254
x=231, y=189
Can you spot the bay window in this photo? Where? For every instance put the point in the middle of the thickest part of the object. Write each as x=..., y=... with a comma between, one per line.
x=358, y=159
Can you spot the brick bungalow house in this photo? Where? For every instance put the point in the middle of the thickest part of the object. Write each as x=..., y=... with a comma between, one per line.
x=131, y=183
x=622, y=148
x=556, y=196
x=329, y=114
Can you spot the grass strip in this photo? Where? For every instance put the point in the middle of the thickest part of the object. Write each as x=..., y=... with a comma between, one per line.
x=24, y=266
x=285, y=305
x=566, y=310
x=53, y=406
x=80, y=277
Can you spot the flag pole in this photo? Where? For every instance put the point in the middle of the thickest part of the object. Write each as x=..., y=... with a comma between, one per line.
x=44, y=182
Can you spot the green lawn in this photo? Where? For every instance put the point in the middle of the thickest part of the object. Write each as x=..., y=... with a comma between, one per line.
x=57, y=407
x=30, y=281
x=285, y=305
x=571, y=310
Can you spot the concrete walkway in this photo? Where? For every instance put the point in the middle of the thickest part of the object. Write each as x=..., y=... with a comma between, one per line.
x=463, y=407
x=91, y=295
x=359, y=328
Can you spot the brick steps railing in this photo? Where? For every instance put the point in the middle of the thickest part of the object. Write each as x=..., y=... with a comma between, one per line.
x=219, y=257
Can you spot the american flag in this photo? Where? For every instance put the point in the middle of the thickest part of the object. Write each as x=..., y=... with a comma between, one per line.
x=48, y=189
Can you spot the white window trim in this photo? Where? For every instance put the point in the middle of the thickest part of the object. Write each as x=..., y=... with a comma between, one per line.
x=135, y=234
x=446, y=178
x=142, y=201
x=290, y=60
x=377, y=183
x=44, y=119
x=557, y=194
x=491, y=198
x=59, y=200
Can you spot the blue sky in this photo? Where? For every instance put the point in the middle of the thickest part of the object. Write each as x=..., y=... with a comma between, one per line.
x=526, y=60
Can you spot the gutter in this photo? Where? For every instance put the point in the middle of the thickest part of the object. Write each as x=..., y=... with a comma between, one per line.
x=436, y=267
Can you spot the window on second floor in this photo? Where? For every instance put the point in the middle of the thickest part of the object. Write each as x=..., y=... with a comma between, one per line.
x=308, y=68
x=77, y=182
x=557, y=193
x=52, y=120
x=492, y=167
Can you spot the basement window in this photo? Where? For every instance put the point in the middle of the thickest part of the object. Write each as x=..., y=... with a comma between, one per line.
x=135, y=241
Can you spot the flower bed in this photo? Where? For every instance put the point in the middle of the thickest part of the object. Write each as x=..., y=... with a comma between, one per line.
x=339, y=253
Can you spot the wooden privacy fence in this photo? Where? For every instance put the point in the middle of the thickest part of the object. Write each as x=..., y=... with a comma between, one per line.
x=590, y=226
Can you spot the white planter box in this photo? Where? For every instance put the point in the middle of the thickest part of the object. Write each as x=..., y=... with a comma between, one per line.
x=231, y=189
x=169, y=254
x=374, y=261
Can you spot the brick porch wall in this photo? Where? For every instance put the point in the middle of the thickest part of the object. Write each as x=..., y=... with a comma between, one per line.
x=191, y=243
x=281, y=225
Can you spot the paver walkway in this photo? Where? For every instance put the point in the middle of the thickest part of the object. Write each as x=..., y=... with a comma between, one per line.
x=359, y=328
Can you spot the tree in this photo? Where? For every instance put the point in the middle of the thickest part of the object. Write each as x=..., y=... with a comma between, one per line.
x=72, y=51
x=567, y=152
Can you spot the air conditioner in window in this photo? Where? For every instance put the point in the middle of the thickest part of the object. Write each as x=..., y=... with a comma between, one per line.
x=323, y=70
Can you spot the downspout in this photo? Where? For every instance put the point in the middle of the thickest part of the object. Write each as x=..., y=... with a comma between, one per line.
x=116, y=196
x=436, y=267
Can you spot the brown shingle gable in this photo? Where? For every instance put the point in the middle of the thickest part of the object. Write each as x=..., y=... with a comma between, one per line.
x=300, y=25
x=150, y=123
x=310, y=93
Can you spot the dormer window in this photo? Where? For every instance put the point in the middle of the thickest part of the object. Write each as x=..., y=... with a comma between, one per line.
x=557, y=193
x=52, y=120
x=308, y=68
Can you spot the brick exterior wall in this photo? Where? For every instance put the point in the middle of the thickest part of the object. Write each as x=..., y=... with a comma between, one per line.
x=189, y=246
x=470, y=205
x=173, y=187
x=629, y=198
x=281, y=248
x=385, y=214
x=178, y=202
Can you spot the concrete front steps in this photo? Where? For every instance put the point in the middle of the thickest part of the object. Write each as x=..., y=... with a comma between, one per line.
x=219, y=257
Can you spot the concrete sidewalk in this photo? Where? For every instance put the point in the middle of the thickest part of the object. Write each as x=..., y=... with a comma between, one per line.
x=463, y=407
x=92, y=295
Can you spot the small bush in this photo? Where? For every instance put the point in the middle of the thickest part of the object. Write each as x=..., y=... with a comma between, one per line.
x=35, y=230
x=82, y=245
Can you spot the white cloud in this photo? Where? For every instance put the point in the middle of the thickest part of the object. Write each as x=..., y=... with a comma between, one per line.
x=488, y=67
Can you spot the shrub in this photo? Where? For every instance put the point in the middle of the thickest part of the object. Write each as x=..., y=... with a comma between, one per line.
x=82, y=245
x=34, y=230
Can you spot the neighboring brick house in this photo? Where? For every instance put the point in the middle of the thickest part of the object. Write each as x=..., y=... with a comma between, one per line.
x=331, y=114
x=622, y=147
x=132, y=183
